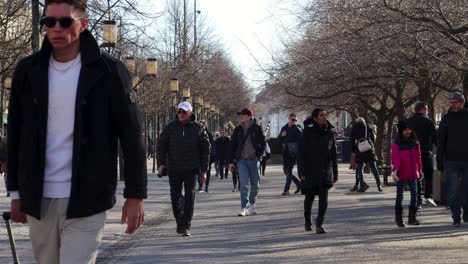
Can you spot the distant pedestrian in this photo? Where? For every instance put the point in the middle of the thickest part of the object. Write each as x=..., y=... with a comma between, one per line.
x=407, y=164
x=452, y=155
x=426, y=133
x=265, y=157
x=289, y=137
x=317, y=165
x=222, y=145
x=211, y=160
x=363, y=133
x=246, y=147
x=184, y=149
x=70, y=104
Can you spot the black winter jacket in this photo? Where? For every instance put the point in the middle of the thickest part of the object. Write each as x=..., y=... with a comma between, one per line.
x=257, y=139
x=452, y=143
x=183, y=147
x=316, y=160
x=358, y=132
x=222, y=145
x=104, y=112
x=425, y=131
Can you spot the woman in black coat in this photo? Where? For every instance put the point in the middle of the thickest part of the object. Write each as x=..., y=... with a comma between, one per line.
x=317, y=166
x=360, y=158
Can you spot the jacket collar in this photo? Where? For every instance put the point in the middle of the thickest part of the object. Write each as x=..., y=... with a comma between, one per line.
x=89, y=49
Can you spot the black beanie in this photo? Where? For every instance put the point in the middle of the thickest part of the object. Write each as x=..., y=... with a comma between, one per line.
x=402, y=125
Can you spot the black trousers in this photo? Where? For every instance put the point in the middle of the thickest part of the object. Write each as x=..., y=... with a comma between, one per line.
x=183, y=205
x=207, y=181
x=263, y=163
x=235, y=179
x=322, y=193
x=223, y=170
x=428, y=170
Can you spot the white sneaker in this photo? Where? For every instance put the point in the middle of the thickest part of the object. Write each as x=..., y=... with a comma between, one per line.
x=244, y=212
x=430, y=202
x=252, y=209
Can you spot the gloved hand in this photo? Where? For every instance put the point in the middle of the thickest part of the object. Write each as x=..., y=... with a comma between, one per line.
x=395, y=175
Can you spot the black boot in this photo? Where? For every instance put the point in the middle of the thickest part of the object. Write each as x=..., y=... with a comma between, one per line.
x=412, y=216
x=399, y=217
x=319, y=229
x=308, y=224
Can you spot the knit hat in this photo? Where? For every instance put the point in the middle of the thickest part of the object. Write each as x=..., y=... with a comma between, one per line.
x=402, y=125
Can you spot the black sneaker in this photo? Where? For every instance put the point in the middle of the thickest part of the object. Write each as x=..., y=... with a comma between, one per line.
x=206, y=190
x=180, y=230
x=456, y=224
x=186, y=233
x=320, y=229
x=298, y=190
x=234, y=190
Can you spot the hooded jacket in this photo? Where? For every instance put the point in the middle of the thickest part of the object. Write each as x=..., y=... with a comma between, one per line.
x=104, y=113
x=316, y=159
x=406, y=159
x=184, y=147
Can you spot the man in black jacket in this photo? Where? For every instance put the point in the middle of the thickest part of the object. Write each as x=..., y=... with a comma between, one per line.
x=69, y=104
x=184, y=149
x=452, y=155
x=211, y=160
x=222, y=144
x=427, y=137
x=289, y=138
x=246, y=148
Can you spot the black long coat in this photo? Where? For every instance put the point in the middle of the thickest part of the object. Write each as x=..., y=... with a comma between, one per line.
x=105, y=111
x=358, y=132
x=317, y=157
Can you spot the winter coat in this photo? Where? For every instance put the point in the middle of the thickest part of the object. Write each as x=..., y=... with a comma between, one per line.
x=222, y=145
x=359, y=132
x=452, y=140
x=183, y=147
x=406, y=159
x=317, y=156
x=105, y=112
x=257, y=139
x=425, y=131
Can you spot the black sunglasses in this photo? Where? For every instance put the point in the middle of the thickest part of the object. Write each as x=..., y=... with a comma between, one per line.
x=181, y=111
x=65, y=22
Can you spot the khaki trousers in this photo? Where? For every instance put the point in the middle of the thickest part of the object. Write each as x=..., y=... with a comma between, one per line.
x=57, y=240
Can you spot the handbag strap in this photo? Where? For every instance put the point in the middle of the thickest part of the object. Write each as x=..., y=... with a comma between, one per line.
x=365, y=131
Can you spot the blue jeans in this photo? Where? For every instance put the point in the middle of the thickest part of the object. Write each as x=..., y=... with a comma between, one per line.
x=457, y=170
x=400, y=185
x=375, y=171
x=248, y=173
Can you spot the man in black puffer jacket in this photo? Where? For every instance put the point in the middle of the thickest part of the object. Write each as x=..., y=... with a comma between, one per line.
x=184, y=149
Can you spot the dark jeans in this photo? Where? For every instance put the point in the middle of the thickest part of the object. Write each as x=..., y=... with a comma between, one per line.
x=182, y=205
x=428, y=171
x=222, y=169
x=288, y=166
x=207, y=181
x=375, y=171
x=322, y=193
x=263, y=164
x=400, y=185
x=457, y=171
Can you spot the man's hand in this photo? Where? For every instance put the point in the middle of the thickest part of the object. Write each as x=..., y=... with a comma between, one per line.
x=232, y=167
x=160, y=169
x=133, y=213
x=16, y=214
x=284, y=133
x=203, y=176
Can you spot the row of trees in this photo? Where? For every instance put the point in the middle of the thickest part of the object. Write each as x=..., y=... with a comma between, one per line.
x=373, y=58
x=177, y=37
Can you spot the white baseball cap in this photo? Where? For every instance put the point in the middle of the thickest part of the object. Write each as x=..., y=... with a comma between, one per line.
x=186, y=106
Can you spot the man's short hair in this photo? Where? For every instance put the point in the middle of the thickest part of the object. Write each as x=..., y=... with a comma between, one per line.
x=419, y=106
x=79, y=5
x=292, y=115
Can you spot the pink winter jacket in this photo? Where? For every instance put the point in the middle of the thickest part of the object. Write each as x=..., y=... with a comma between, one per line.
x=407, y=162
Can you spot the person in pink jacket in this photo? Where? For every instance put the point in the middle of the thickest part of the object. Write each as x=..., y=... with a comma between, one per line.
x=407, y=165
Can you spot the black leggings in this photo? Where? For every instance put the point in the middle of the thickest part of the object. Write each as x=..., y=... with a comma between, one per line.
x=322, y=193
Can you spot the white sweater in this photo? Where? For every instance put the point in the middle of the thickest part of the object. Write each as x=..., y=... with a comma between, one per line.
x=63, y=84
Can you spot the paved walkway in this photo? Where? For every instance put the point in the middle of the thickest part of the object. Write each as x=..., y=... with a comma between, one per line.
x=361, y=230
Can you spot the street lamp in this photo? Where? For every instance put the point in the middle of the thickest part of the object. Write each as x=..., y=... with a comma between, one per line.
x=109, y=28
x=130, y=61
x=186, y=93
x=207, y=107
x=174, y=88
x=151, y=67
x=7, y=82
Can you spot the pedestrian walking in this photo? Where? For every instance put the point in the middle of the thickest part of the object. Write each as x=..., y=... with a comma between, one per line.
x=407, y=165
x=317, y=165
x=426, y=134
x=265, y=157
x=211, y=160
x=289, y=138
x=184, y=150
x=452, y=155
x=222, y=145
x=361, y=134
x=69, y=104
x=246, y=147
